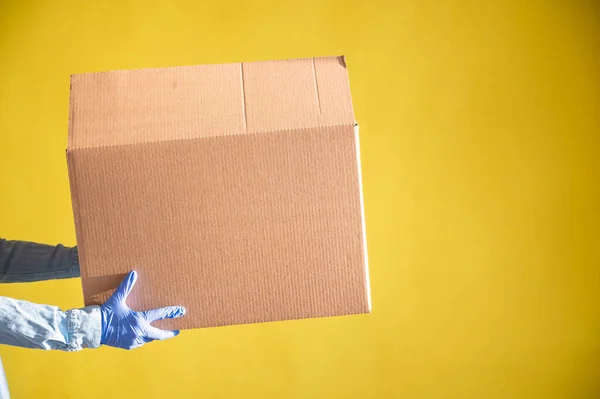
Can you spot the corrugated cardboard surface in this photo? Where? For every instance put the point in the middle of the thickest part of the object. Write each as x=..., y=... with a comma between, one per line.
x=234, y=190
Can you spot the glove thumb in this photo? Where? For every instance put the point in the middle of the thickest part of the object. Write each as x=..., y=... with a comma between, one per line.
x=125, y=287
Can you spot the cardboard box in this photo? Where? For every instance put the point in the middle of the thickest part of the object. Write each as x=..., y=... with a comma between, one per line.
x=234, y=190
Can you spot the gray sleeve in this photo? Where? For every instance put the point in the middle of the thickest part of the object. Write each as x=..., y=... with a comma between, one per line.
x=22, y=261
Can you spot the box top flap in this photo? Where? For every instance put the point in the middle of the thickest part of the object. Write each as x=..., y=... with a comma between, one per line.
x=163, y=104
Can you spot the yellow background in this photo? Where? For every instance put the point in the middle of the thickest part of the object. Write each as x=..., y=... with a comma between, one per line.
x=480, y=134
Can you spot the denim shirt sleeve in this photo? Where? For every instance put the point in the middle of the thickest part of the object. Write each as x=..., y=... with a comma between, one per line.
x=29, y=325
x=22, y=261
x=42, y=326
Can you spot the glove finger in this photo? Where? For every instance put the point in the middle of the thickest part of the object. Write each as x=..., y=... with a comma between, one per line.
x=158, y=334
x=125, y=287
x=169, y=312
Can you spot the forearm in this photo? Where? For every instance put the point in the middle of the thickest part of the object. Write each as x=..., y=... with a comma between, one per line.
x=46, y=327
x=22, y=261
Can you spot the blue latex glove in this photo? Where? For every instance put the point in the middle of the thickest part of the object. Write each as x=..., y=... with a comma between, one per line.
x=127, y=329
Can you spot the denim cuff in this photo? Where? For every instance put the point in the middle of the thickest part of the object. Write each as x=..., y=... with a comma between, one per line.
x=75, y=259
x=84, y=327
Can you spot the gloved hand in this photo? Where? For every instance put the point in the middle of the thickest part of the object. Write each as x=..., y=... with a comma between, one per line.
x=128, y=329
